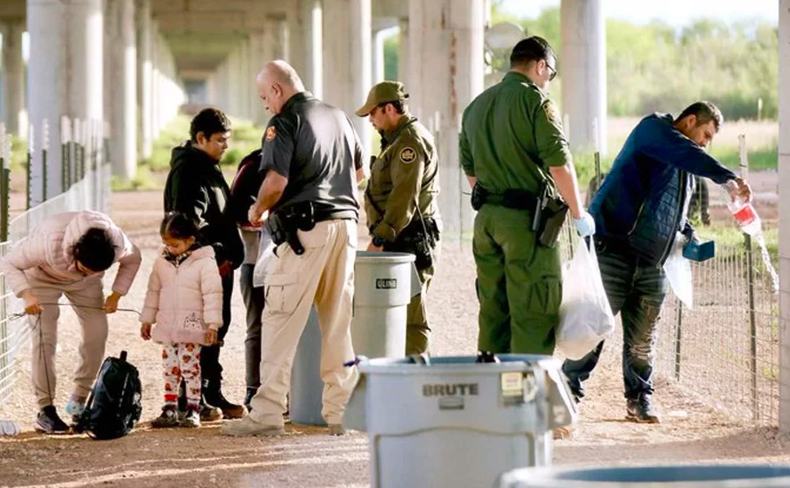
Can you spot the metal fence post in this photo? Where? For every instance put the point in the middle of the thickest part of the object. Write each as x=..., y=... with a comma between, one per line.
x=5, y=179
x=29, y=190
x=678, y=335
x=44, y=148
x=744, y=167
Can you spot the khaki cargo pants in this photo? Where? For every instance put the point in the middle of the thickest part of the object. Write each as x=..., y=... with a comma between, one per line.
x=44, y=334
x=324, y=276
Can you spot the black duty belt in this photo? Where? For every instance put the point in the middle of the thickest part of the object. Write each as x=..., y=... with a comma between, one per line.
x=515, y=199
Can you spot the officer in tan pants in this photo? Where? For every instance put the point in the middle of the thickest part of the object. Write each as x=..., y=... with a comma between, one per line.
x=312, y=159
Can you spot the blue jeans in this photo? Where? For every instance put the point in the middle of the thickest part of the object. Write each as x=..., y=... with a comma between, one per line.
x=636, y=290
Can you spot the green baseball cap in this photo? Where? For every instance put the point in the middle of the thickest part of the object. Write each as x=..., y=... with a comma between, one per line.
x=386, y=91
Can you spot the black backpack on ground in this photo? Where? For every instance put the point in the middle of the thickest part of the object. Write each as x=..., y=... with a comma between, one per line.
x=114, y=404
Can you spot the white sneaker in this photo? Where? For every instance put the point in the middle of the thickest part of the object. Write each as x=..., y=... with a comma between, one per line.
x=249, y=427
x=75, y=407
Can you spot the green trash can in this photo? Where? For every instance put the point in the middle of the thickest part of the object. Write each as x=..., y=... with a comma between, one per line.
x=455, y=422
x=384, y=284
x=701, y=476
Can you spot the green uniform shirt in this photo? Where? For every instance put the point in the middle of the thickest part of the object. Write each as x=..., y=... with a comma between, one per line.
x=511, y=133
x=404, y=173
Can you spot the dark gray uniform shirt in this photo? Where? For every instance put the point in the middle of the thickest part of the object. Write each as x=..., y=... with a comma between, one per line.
x=314, y=145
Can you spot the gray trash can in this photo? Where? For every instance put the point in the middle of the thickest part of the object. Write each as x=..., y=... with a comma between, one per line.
x=455, y=422
x=305, y=402
x=706, y=476
x=384, y=284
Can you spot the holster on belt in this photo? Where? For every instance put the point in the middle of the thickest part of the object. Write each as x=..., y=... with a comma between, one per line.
x=284, y=223
x=548, y=210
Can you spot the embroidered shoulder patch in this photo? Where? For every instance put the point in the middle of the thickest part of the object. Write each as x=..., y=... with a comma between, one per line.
x=271, y=132
x=552, y=113
x=407, y=155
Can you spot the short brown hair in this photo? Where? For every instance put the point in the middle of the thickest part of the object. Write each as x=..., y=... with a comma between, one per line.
x=705, y=112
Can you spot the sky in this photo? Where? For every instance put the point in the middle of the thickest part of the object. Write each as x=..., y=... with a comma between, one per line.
x=675, y=12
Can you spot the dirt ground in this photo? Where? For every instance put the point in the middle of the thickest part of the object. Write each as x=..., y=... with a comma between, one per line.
x=692, y=431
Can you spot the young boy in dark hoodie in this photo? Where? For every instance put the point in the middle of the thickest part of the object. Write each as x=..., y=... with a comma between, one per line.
x=197, y=188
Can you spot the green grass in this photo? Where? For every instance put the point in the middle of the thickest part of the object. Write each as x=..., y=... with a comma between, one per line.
x=245, y=138
x=761, y=158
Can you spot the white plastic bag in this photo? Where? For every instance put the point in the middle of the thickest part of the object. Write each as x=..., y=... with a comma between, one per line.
x=585, y=315
x=265, y=260
x=678, y=272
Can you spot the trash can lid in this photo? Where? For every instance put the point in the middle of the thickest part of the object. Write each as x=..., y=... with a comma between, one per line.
x=443, y=365
x=685, y=476
x=385, y=257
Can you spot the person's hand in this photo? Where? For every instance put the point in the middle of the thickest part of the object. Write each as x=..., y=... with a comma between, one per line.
x=32, y=303
x=585, y=224
x=256, y=216
x=111, y=304
x=225, y=269
x=145, y=331
x=211, y=337
x=743, y=191
x=373, y=247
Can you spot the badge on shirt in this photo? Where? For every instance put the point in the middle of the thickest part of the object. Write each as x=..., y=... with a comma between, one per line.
x=271, y=132
x=552, y=113
x=407, y=155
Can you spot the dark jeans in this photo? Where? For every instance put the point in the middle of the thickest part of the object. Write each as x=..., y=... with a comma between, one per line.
x=209, y=356
x=636, y=290
x=253, y=302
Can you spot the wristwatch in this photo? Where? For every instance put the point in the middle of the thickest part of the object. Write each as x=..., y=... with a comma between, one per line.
x=378, y=241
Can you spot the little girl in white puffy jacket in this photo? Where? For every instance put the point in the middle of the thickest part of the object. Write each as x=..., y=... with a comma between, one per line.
x=184, y=300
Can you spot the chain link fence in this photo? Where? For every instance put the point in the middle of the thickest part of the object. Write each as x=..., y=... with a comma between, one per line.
x=86, y=176
x=726, y=348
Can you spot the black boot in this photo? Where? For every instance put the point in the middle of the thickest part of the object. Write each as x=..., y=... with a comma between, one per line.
x=49, y=422
x=640, y=409
x=248, y=398
x=212, y=391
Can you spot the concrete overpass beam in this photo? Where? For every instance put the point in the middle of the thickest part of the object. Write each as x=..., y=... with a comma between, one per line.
x=145, y=77
x=403, y=51
x=347, y=37
x=121, y=85
x=446, y=76
x=784, y=217
x=13, y=77
x=65, y=70
x=583, y=65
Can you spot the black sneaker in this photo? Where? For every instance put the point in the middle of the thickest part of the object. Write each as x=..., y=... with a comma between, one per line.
x=640, y=409
x=168, y=418
x=48, y=422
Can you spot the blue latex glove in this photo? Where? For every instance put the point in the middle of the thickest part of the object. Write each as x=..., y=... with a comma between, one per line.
x=585, y=225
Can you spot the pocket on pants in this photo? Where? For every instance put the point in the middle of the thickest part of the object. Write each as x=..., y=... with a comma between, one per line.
x=545, y=296
x=281, y=292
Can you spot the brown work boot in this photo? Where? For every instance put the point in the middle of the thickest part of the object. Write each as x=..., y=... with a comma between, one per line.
x=564, y=433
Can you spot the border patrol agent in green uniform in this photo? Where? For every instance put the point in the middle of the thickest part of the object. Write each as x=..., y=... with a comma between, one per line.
x=400, y=199
x=516, y=157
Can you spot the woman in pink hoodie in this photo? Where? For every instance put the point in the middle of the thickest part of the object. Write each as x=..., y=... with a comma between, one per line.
x=184, y=300
x=67, y=254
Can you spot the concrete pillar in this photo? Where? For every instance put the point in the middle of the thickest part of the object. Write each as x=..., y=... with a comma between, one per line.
x=156, y=94
x=377, y=51
x=258, y=56
x=583, y=72
x=13, y=76
x=347, y=50
x=121, y=88
x=145, y=77
x=65, y=73
x=295, y=47
x=443, y=80
x=235, y=81
x=784, y=217
x=403, y=52
x=312, y=30
x=247, y=81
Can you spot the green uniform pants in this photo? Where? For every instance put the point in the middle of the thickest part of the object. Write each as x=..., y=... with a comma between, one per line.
x=518, y=283
x=418, y=334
